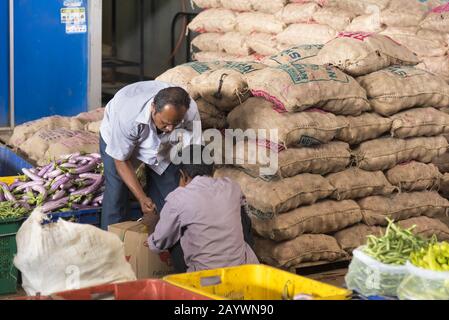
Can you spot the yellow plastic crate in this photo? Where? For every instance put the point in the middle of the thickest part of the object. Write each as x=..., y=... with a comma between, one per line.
x=9, y=180
x=255, y=282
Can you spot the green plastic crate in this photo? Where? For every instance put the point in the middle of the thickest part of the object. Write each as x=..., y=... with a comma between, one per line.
x=8, y=248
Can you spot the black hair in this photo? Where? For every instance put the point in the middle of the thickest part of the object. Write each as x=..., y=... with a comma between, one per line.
x=196, y=160
x=175, y=96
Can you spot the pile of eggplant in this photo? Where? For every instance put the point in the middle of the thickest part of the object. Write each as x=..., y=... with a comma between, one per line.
x=74, y=182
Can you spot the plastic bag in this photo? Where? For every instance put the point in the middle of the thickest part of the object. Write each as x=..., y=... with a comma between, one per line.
x=422, y=284
x=62, y=256
x=370, y=277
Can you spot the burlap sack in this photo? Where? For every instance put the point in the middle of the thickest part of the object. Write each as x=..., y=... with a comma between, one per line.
x=90, y=116
x=419, y=122
x=427, y=227
x=226, y=87
x=403, y=17
x=298, y=54
x=433, y=35
x=385, y=153
x=402, y=206
x=357, y=6
x=294, y=129
x=263, y=43
x=213, y=56
x=82, y=141
x=234, y=43
x=250, y=22
x=320, y=218
x=442, y=162
x=25, y=131
x=355, y=183
x=210, y=116
x=415, y=176
x=305, y=248
x=365, y=127
x=36, y=146
x=398, y=88
x=444, y=186
x=306, y=33
x=206, y=4
x=237, y=5
x=182, y=75
x=356, y=236
x=367, y=23
x=207, y=41
x=437, y=19
x=323, y=159
x=271, y=6
x=421, y=46
x=359, y=53
x=297, y=12
x=436, y=65
x=270, y=198
x=214, y=20
x=309, y=86
x=336, y=18
x=93, y=127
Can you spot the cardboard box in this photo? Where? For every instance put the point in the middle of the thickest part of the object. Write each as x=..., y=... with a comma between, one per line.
x=145, y=263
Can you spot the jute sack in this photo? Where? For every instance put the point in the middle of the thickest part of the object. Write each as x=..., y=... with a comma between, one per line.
x=385, y=153
x=419, y=122
x=367, y=23
x=226, y=87
x=90, y=116
x=210, y=116
x=206, y=4
x=207, y=41
x=398, y=88
x=306, y=33
x=305, y=248
x=297, y=87
x=358, y=6
x=427, y=227
x=415, y=176
x=213, y=56
x=214, y=20
x=356, y=236
x=444, y=186
x=82, y=141
x=442, y=162
x=182, y=75
x=433, y=35
x=237, y=5
x=365, y=127
x=293, y=129
x=402, y=206
x=298, y=54
x=234, y=43
x=272, y=6
x=436, y=65
x=336, y=18
x=25, y=131
x=360, y=53
x=36, y=146
x=320, y=218
x=402, y=17
x=270, y=198
x=323, y=159
x=297, y=12
x=421, y=46
x=437, y=19
x=93, y=127
x=263, y=43
x=250, y=22
x=355, y=183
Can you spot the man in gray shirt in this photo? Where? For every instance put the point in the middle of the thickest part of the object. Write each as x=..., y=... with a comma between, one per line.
x=205, y=215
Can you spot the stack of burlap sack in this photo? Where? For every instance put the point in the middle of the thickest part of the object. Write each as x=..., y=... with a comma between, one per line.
x=355, y=141
x=249, y=30
x=49, y=138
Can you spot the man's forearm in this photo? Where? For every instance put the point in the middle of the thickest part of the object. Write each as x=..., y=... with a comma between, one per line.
x=126, y=171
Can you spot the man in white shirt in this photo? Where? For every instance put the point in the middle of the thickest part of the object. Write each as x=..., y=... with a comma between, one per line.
x=142, y=123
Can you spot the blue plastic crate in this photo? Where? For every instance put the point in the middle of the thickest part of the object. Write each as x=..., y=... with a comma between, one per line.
x=10, y=163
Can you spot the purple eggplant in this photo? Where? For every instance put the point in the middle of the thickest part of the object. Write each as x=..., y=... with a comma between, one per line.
x=42, y=191
x=86, y=168
x=86, y=202
x=15, y=184
x=83, y=207
x=94, y=176
x=68, y=165
x=95, y=155
x=90, y=189
x=31, y=175
x=73, y=189
x=66, y=185
x=54, y=205
x=56, y=184
x=54, y=173
x=45, y=169
x=84, y=162
x=29, y=185
x=6, y=193
x=2, y=197
x=58, y=195
x=98, y=199
x=25, y=205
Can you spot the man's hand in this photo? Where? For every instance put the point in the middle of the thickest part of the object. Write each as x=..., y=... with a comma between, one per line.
x=147, y=206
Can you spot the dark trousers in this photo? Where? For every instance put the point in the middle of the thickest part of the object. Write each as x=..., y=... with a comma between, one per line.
x=116, y=200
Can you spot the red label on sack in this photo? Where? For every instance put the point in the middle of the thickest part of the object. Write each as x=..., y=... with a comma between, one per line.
x=441, y=9
x=355, y=35
x=278, y=106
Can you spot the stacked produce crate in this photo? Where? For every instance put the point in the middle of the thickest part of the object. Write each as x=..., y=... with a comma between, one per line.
x=248, y=30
